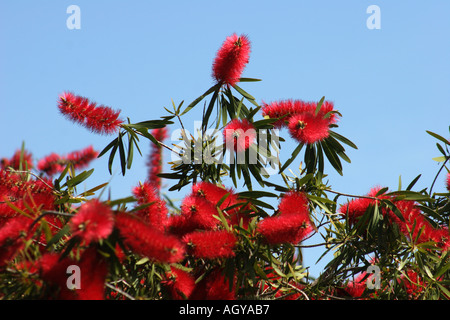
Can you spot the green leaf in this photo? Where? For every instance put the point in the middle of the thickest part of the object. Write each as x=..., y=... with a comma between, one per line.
x=249, y=80
x=409, y=195
x=411, y=185
x=61, y=233
x=123, y=161
x=243, y=92
x=196, y=101
x=319, y=105
x=440, y=159
x=332, y=157
x=256, y=194
x=342, y=139
x=435, y=135
x=109, y=146
x=292, y=158
x=79, y=178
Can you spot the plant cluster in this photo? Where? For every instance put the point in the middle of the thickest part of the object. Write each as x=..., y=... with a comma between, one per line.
x=226, y=239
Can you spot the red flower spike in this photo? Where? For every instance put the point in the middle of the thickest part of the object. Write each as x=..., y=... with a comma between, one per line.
x=14, y=161
x=448, y=181
x=231, y=59
x=156, y=213
x=285, y=229
x=12, y=238
x=99, y=119
x=215, y=286
x=54, y=163
x=211, y=244
x=239, y=135
x=179, y=283
x=155, y=162
x=93, y=221
x=304, y=124
x=82, y=158
x=147, y=241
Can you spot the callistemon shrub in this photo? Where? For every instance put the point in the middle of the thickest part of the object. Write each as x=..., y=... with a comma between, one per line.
x=224, y=217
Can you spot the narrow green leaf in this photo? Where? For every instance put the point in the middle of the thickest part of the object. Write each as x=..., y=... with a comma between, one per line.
x=249, y=80
x=196, y=101
x=123, y=161
x=292, y=158
x=319, y=105
x=243, y=92
x=342, y=139
x=435, y=135
x=109, y=146
x=412, y=183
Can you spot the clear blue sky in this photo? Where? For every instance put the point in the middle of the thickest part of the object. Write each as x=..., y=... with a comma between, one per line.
x=390, y=84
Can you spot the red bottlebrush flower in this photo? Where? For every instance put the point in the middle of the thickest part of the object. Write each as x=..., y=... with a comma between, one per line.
x=179, y=283
x=214, y=193
x=14, y=162
x=52, y=268
x=155, y=162
x=239, y=135
x=448, y=181
x=148, y=241
x=356, y=208
x=82, y=158
x=37, y=194
x=356, y=288
x=54, y=163
x=231, y=59
x=215, y=286
x=93, y=269
x=292, y=225
x=12, y=238
x=93, y=221
x=442, y=238
x=308, y=128
x=284, y=229
x=51, y=164
x=294, y=203
x=305, y=113
x=413, y=283
x=196, y=213
x=97, y=118
x=156, y=213
x=211, y=244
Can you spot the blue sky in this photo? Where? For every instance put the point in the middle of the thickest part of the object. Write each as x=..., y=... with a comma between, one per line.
x=390, y=84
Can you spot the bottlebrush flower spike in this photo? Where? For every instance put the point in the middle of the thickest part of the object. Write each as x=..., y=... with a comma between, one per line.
x=147, y=241
x=284, y=229
x=13, y=234
x=97, y=118
x=239, y=135
x=155, y=162
x=54, y=163
x=292, y=225
x=211, y=244
x=37, y=194
x=231, y=59
x=14, y=161
x=156, y=213
x=93, y=221
x=196, y=213
x=448, y=181
x=300, y=117
x=179, y=283
x=215, y=286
